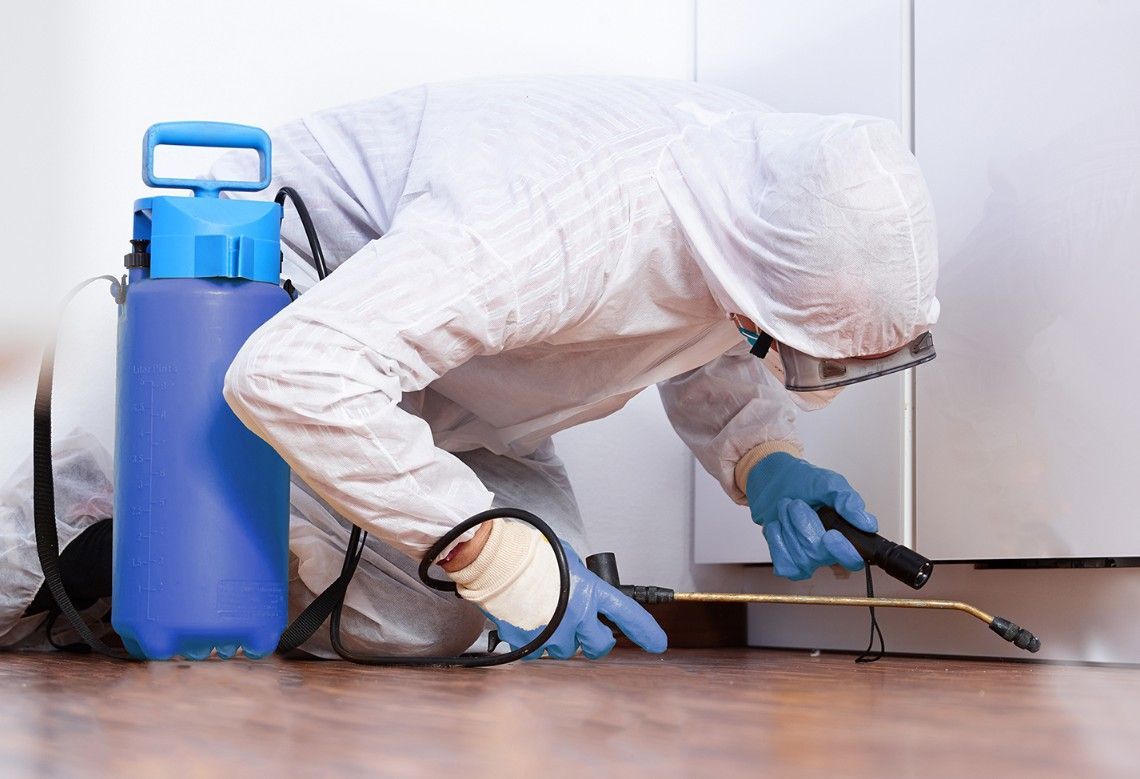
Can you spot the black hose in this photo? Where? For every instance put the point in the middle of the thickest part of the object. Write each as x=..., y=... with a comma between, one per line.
x=318, y=256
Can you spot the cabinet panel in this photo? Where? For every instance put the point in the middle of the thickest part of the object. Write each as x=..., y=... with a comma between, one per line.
x=1027, y=119
x=823, y=56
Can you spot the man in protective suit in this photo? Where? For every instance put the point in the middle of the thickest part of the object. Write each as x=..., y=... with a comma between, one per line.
x=514, y=257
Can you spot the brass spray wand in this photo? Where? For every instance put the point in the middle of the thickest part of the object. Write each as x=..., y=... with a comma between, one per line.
x=900, y=562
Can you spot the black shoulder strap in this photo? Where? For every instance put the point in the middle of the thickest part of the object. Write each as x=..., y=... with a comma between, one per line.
x=309, y=621
x=762, y=345
x=43, y=492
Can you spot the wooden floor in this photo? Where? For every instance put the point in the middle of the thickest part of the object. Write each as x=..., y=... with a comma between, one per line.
x=708, y=713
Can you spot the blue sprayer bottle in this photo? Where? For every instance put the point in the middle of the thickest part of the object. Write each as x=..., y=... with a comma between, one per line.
x=201, y=503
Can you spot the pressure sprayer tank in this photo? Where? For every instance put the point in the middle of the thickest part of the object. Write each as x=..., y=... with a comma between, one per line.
x=201, y=503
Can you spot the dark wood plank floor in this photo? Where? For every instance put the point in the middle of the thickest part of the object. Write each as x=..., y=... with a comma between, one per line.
x=709, y=713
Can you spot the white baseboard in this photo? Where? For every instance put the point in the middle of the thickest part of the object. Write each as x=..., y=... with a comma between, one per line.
x=1084, y=615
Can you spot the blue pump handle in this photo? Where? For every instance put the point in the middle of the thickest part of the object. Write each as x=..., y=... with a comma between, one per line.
x=215, y=134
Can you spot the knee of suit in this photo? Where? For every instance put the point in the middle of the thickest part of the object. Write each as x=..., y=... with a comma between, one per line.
x=445, y=627
x=254, y=381
x=450, y=630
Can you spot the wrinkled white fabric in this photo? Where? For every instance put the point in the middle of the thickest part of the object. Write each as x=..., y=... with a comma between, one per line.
x=507, y=265
x=83, y=496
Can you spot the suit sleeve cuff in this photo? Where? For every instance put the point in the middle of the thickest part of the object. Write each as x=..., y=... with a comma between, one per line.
x=514, y=577
x=746, y=463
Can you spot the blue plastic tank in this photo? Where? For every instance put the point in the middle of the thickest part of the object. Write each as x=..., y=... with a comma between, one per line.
x=201, y=503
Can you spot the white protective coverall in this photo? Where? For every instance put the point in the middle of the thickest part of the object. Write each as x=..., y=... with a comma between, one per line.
x=513, y=257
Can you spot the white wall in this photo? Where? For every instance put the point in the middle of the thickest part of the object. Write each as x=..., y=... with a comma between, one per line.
x=93, y=76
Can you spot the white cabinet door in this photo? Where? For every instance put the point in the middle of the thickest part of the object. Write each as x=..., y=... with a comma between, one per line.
x=823, y=56
x=1027, y=117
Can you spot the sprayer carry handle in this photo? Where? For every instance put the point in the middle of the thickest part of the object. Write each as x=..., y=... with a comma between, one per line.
x=213, y=134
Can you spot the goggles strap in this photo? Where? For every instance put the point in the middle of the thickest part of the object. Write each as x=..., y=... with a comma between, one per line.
x=762, y=345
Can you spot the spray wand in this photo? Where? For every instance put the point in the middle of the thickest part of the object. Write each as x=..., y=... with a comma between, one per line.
x=898, y=561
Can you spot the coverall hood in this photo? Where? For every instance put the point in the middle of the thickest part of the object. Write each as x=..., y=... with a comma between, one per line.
x=818, y=228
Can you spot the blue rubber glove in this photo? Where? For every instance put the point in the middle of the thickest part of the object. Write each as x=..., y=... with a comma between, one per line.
x=783, y=493
x=580, y=627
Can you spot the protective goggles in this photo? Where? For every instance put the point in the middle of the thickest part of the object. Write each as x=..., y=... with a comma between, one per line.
x=804, y=373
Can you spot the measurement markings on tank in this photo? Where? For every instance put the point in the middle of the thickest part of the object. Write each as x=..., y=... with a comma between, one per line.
x=146, y=465
x=150, y=506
